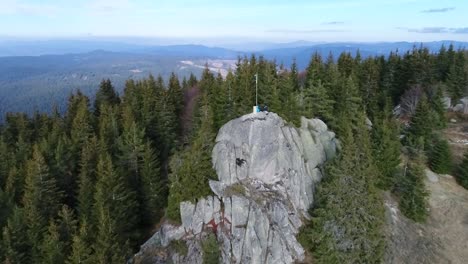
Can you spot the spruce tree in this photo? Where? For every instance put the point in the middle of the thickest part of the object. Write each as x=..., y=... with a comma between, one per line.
x=109, y=128
x=52, y=247
x=81, y=249
x=108, y=247
x=41, y=199
x=438, y=107
x=192, y=169
x=318, y=103
x=105, y=95
x=440, y=156
x=153, y=186
x=386, y=149
x=87, y=179
x=457, y=77
x=176, y=98
x=412, y=191
x=140, y=166
x=115, y=199
x=15, y=241
x=462, y=172
x=348, y=216
x=421, y=125
x=66, y=227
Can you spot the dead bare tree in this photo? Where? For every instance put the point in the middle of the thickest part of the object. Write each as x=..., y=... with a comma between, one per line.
x=410, y=99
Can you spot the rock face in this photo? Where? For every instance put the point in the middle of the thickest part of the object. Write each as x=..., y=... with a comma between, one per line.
x=267, y=173
x=462, y=106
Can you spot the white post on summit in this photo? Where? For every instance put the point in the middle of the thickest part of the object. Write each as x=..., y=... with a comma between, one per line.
x=255, y=108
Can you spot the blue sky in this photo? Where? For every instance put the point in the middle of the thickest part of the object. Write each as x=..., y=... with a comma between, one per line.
x=272, y=20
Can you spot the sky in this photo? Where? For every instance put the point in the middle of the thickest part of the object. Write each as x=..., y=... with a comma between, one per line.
x=260, y=20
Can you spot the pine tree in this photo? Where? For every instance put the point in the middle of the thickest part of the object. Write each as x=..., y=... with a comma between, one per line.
x=440, y=156
x=318, y=103
x=457, y=77
x=140, y=165
x=15, y=242
x=348, y=216
x=75, y=102
x=347, y=104
x=386, y=149
x=66, y=227
x=438, y=106
x=421, y=124
x=108, y=247
x=63, y=168
x=105, y=95
x=315, y=71
x=109, y=128
x=52, y=247
x=154, y=190
x=176, y=98
x=41, y=199
x=462, y=172
x=114, y=198
x=81, y=248
x=5, y=162
x=192, y=168
x=87, y=179
x=412, y=192
x=81, y=128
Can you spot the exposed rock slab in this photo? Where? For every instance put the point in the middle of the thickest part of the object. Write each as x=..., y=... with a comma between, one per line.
x=267, y=173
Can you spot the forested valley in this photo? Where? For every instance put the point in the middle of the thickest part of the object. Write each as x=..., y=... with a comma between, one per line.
x=92, y=184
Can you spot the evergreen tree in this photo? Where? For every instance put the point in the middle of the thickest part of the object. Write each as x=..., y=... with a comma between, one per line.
x=66, y=228
x=440, y=156
x=348, y=216
x=81, y=248
x=421, y=124
x=105, y=95
x=41, y=199
x=87, y=179
x=438, y=107
x=318, y=103
x=412, y=192
x=63, y=168
x=176, y=99
x=75, y=102
x=457, y=77
x=192, y=168
x=52, y=247
x=15, y=242
x=115, y=199
x=109, y=128
x=153, y=186
x=315, y=71
x=81, y=127
x=462, y=172
x=140, y=166
x=386, y=150
x=108, y=247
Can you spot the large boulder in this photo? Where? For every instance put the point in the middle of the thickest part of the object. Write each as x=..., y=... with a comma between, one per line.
x=267, y=173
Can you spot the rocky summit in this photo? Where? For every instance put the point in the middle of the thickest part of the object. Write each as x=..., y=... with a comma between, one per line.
x=267, y=172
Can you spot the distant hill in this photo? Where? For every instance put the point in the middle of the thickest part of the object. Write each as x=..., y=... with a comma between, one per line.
x=30, y=82
x=303, y=54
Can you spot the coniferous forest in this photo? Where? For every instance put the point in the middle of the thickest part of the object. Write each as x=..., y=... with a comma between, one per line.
x=90, y=185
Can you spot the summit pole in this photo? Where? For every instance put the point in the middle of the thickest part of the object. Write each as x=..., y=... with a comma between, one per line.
x=256, y=89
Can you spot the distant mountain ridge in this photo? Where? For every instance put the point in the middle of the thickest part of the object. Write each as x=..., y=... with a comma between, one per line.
x=61, y=47
x=34, y=79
